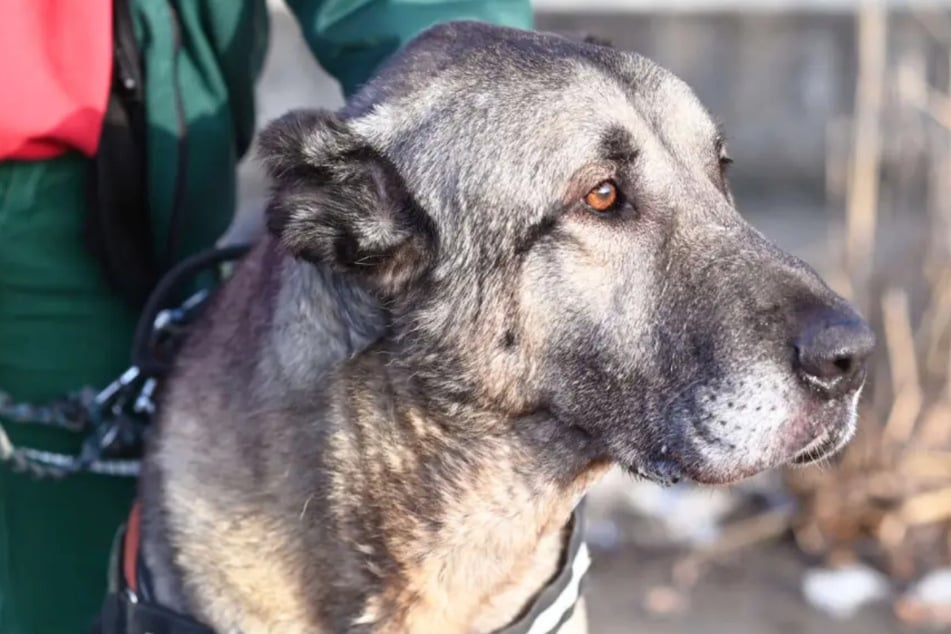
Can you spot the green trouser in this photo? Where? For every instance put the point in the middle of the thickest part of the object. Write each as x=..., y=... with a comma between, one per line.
x=61, y=328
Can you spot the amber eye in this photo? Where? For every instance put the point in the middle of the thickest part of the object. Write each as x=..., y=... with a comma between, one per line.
x=602, y=198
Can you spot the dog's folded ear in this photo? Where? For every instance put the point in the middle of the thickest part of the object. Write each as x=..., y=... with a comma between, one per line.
x=338, y=201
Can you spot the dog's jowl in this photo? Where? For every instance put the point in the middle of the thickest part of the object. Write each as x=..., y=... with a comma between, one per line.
x=510, y=262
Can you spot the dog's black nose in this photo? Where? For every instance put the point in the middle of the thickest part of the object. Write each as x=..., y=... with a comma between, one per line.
x=832, y=350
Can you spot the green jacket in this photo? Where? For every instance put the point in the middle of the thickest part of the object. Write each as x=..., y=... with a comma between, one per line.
x=62, y=328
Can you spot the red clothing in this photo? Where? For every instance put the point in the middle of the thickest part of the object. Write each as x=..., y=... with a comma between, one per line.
x=55, y=70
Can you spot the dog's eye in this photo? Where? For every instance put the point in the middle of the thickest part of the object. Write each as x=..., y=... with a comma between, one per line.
x=603, y=198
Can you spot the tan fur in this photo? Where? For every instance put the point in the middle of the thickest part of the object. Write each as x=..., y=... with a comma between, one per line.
x=253, y=585
x=469, y=584
x=501, y=541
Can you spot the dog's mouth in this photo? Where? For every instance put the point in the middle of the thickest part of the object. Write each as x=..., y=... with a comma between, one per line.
x=825, y=446
x=832, y=438
x=744, y=439
x=663, y=472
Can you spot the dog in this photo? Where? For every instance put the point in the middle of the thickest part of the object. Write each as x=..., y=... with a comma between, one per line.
x=509, y=263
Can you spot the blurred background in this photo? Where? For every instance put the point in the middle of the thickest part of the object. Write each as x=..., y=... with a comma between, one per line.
x=838, y=114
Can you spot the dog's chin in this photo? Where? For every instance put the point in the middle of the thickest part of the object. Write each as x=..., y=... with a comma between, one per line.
x=673, y=469
x=812, y=432
x=664, y=472
x=834, y=434
x=825, y=446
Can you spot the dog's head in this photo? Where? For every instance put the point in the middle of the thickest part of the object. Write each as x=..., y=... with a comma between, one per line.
x=550, y=222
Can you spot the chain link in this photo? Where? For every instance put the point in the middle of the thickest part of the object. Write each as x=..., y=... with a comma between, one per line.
x=100, y=416
x=70, y=412
x=114, y=420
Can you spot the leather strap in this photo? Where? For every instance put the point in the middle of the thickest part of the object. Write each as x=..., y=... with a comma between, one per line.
x=127, y=609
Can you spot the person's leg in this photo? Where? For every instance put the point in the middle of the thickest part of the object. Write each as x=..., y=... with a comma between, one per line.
x=61, y=329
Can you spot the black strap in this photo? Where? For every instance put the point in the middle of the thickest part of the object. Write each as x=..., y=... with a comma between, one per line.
x=568, y=575
x=147, y=354
x=118, y=229
x=121, y=615
x=125, y=612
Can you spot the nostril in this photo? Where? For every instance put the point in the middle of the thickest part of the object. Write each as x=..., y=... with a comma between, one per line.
x=819, y=365
x=831, y=352
x=844, y=364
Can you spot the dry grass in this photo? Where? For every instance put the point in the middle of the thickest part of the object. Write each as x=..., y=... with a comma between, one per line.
x=887, y=500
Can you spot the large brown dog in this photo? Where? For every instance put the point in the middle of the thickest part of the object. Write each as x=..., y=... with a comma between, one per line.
x=510, y=262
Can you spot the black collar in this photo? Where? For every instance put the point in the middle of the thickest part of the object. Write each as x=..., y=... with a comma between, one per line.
x=555, y=604
x=130, y=609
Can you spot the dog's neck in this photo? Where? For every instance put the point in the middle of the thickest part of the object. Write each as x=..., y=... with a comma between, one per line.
x=364, y=504
x=460, y=514
x=318, y=320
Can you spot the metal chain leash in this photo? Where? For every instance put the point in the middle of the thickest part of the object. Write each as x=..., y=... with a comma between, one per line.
x=114, y=420
x=69, y=412
x=111, y=432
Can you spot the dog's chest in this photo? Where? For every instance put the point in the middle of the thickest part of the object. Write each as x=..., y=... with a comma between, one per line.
x=478, y=574
x=465, y=591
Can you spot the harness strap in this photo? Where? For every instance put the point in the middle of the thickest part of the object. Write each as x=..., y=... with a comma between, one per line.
x=121, y=615
x=129, y=609
x=130, y=549
x=555, y=604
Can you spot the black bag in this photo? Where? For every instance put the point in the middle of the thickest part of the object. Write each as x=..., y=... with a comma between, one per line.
x=117, y=226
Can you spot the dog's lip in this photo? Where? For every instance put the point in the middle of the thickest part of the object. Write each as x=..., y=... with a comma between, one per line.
x=663, y=472
x=834, y=436
x=823, y=446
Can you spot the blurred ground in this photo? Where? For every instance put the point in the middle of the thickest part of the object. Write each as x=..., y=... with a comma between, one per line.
x=757, y=591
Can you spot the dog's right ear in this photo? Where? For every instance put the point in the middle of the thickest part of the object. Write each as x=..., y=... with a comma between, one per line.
x=338, y=201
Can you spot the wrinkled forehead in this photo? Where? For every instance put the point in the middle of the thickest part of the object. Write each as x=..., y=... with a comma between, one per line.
x=518, y=121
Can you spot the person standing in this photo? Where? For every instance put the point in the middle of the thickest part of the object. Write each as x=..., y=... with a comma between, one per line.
x=121, y=125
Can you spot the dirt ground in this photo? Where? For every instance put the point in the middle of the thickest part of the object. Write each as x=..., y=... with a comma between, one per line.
x=758, y=592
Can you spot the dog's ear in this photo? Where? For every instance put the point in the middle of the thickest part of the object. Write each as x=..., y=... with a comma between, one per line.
x=338, y=201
